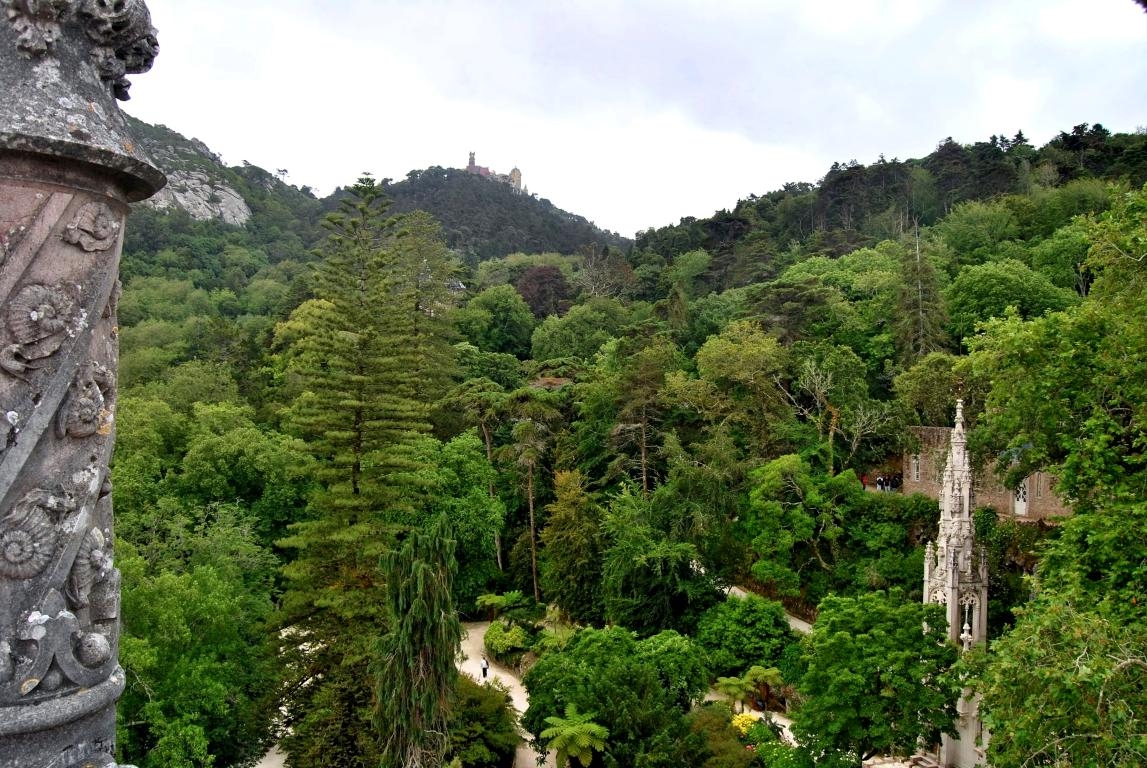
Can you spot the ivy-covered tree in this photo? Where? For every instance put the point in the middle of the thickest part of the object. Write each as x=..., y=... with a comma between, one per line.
x=570, y=562
x=458, y=478
x=795, y=519
x=415, y=661
x=651, y=578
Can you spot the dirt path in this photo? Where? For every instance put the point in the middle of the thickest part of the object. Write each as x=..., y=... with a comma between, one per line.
x=471, y=664
x=472, y=651
x=798, y=625
x=273, y=759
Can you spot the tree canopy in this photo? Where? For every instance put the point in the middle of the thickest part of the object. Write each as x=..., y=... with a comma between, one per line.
x=617, y=435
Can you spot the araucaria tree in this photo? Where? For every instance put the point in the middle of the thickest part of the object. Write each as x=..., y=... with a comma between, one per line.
x=360, y=360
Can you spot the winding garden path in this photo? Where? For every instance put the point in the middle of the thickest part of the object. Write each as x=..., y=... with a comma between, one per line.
x=471, y=664
x=472, y=651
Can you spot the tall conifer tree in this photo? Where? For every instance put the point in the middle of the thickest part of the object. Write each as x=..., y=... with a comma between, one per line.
x=365, y=356
x=920, y=312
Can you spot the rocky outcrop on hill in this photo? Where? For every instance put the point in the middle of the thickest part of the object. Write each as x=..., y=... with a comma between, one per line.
x=197, y=180
x=202, y=197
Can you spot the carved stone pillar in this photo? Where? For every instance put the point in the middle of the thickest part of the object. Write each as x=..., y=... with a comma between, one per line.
x=68, y=169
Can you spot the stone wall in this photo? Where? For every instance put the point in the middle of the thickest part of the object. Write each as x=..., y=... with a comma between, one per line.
x=923, y=471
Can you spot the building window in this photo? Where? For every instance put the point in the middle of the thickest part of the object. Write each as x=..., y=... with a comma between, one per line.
x=916, y=467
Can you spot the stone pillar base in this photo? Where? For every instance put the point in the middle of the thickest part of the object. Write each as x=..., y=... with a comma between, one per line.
x=64, y=732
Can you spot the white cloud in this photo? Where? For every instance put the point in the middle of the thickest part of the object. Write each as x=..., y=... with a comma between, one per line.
x=632, y=114
x=1076, y=26
x=872, y=21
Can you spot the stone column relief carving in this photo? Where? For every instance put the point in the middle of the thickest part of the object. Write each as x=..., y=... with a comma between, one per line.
x=68, y=169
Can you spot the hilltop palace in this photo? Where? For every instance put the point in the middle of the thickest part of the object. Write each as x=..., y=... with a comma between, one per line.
x=513, y=178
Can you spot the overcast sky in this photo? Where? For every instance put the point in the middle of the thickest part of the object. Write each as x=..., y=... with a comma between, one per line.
x=632, y=113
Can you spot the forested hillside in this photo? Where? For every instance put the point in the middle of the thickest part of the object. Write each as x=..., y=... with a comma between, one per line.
x=480, y=217
x=338, y=434
x=858, y=205
x=483, y=219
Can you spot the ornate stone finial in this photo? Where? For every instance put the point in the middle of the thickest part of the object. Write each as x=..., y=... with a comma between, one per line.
x=958, y=433
x=67, y=61
x=125, y=41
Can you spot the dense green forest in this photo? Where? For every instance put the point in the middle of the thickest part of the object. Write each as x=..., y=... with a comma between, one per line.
x=348, y=424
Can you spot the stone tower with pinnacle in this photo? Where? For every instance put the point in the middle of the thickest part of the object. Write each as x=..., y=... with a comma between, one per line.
x=956, y=576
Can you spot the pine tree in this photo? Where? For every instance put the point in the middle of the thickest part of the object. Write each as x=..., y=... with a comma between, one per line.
x=414, y=672
x=920, y=314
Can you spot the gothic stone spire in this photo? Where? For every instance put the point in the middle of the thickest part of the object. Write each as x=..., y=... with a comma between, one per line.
x=956, y=576
x=955, y=572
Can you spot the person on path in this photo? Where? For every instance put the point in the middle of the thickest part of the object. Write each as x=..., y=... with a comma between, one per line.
x=485, y=667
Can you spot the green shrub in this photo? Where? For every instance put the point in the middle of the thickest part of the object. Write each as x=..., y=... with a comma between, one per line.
x=483, y=726
x=739, y=633
x=507, y=642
